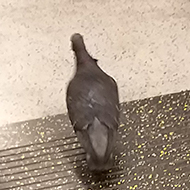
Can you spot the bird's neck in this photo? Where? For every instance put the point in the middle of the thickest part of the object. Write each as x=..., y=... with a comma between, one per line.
x=83, y=57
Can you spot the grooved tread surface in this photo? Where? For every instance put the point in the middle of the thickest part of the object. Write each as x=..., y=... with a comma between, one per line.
x=152, y=151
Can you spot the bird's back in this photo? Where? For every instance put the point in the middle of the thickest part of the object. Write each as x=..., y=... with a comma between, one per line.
x=92, y=96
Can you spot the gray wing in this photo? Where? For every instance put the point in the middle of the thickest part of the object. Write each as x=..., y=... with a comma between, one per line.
x=89, y=97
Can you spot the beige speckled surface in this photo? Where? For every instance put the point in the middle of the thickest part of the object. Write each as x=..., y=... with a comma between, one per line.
x=144, y=45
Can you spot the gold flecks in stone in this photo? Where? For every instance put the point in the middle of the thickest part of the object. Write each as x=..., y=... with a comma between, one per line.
x=143, y=126
x=150, y=111
x=42, y=134
x=171, y=133
x=23, y=156
x=122, y=125
x=161, y=123
x=166, y=136
x=150, y=176
x=139, y=146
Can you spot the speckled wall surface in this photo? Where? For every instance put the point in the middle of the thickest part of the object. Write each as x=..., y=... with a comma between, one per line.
x=144, y=45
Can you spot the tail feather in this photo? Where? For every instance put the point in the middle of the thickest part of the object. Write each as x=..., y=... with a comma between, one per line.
x=98, y=134
x=98, y=140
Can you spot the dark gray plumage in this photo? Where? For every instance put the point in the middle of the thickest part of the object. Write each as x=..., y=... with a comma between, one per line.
x=93, y=107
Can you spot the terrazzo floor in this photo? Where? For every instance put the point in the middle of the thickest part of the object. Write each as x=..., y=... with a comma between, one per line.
x=152, y=150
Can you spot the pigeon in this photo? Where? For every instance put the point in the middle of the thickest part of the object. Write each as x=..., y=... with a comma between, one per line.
x=93, y=107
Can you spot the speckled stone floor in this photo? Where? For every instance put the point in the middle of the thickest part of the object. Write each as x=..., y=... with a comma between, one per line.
x=152, y=151
x=143, y=44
